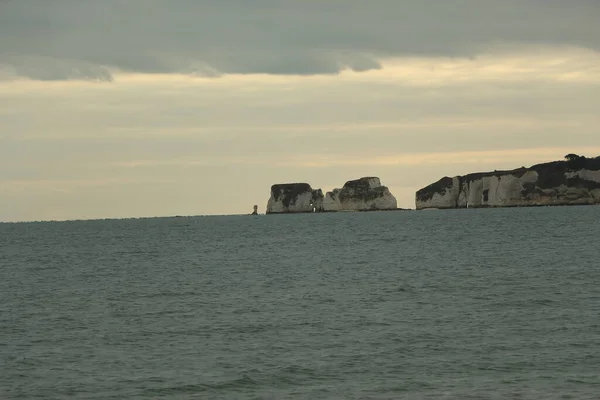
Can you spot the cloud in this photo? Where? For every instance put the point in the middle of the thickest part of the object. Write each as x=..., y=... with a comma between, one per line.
x=46, y=68
x=75, y=39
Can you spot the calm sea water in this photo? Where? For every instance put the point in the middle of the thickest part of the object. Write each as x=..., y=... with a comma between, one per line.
x=463, y=304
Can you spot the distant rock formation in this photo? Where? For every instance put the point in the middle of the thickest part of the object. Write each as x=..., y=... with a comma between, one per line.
x=255, y=212
x=364, y=194
x=571, y=182
x=360, y=195
x=294, y=198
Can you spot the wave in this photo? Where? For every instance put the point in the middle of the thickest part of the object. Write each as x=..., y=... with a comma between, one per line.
x=243, y=382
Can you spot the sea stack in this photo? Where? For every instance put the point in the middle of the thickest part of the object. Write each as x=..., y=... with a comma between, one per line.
x=289, y=198
x=364, y=194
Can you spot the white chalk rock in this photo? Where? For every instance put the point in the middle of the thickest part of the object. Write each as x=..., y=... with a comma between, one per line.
x=294, y=198
x=360, y=195
x=554, y=183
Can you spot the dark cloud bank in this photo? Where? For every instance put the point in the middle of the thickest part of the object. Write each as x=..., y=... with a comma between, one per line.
x=87, y=39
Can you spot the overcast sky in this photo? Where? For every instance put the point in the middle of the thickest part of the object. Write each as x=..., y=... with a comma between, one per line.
x=128, y=108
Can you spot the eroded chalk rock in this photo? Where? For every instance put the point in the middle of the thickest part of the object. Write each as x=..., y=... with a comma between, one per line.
x=360, y=195
x=572, y=182
x=294, y=198
x=364, y=194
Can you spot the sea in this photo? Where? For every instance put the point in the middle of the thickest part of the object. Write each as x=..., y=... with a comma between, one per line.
x=453, y=304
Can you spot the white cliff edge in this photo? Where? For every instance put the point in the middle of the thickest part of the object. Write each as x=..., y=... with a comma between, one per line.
x=557, y=183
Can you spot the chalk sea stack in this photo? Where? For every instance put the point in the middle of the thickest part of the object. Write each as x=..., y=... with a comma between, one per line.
x=294, y=198
x=575, y=181
x=364, y=194
x=360, y=195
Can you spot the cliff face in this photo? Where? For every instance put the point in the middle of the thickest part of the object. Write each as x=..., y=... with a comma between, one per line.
x=360, y=195
x=294, y=198
x=555, y=183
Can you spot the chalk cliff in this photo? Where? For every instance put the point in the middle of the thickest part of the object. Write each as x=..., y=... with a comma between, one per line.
x=571, y=182
x=357, y=195
x=360, y=195
x=294, y=198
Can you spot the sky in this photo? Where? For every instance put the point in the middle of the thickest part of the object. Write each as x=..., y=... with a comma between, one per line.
x=139, y=108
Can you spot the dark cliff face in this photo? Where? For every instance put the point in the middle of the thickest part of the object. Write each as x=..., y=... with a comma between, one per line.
x=438, y=187
x=550, y=176
x=361, y=189
x=288, y=192
x=317, y=199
